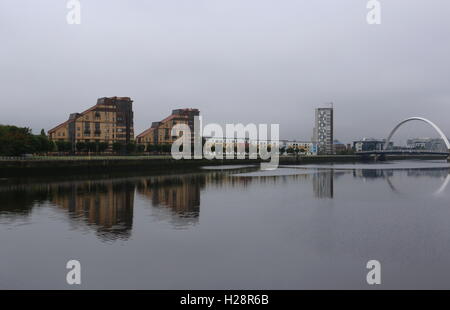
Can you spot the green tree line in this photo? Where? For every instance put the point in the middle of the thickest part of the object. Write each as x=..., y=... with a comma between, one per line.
x=16, y=141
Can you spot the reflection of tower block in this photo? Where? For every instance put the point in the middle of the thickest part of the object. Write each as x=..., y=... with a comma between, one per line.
x=323, y=184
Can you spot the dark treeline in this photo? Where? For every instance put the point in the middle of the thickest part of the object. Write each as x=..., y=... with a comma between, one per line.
x=16, y=141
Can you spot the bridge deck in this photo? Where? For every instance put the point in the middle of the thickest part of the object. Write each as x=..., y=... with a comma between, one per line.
x=402, y=152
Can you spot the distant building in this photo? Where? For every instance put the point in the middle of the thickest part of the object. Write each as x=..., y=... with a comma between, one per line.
x=430, y=144
x=161, y=132
x=339, y=147
x=232, y=145
x=323, y=130
x=302, y=147
x=110, y=120
x=370, y=144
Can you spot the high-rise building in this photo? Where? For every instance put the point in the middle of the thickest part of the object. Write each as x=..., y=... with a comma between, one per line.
x=323, y=130
x=110, y=121
x=161, y=132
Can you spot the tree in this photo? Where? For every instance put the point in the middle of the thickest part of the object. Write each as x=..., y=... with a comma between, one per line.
x=81, y=147
x=150, y=148
x=42, y=144
x=130, y=147
x=117, y=147
x=140, y=148
x=92, y=146
x=63, y=146
x=166, y=148
x=15, y=141
x=346, y=152
x=156, y=148
x=102, y=146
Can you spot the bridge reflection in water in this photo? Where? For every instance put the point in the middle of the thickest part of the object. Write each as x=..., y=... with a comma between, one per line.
x=107, y=206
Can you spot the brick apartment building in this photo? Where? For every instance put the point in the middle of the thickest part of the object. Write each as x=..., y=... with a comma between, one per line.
x=110, y=121
x=160, y=132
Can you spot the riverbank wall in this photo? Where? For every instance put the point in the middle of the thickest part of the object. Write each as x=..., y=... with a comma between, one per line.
x=73, y=165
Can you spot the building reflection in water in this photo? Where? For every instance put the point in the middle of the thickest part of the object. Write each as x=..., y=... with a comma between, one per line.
x=107, y=205
x=179, y=194
x=372, y=173
x=17, y=202
x=323, y=180
x=323, y=184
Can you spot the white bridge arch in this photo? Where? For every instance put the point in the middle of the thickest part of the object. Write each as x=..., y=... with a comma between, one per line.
x=441, y=133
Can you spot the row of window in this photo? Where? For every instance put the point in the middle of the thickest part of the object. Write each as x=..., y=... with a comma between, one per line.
x=97, y=116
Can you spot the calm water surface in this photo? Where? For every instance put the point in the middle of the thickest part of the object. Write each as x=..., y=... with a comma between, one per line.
x=299, y=227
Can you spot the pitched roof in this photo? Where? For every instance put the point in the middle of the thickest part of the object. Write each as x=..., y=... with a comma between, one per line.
x=168, y=118
x=145, y=132
x=73, y=119
x=59, y=126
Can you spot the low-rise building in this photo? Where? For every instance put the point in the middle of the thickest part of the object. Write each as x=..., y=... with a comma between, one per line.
x=109, y=121
x=301, y=147
x=339, y=147
x=161, y=132
x=233, y=145
x=369, y=144
x=430, y=144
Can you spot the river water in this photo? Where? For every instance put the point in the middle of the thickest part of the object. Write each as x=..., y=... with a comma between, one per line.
x=234, y=227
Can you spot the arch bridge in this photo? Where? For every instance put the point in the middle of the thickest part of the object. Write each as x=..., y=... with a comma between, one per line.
x=386, y=150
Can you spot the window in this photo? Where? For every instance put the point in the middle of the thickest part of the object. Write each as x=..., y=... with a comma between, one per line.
x=87, y=128
x=97, y=129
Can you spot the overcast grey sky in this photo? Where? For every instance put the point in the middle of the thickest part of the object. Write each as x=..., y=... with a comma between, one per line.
x=260, y=61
